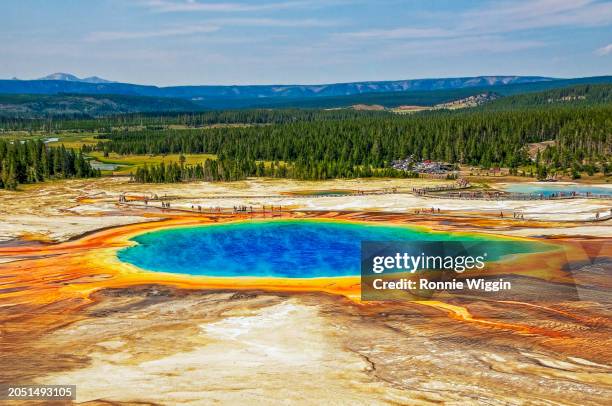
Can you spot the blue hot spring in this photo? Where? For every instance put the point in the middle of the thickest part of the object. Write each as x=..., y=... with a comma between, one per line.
x=277, y=248
x=548, y=189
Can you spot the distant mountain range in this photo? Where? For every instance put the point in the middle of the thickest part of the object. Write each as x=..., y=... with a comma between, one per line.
x=67, y=77
x=67, y=83
x=398, y=98
x=73, y=97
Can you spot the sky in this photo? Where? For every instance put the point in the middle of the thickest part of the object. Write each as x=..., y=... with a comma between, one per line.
x=197, y=42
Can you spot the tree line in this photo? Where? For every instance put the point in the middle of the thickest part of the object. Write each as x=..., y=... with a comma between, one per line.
x=580, y=95
x=232, y=170
x=358, y=146
x=32, y=161
x=155, y=121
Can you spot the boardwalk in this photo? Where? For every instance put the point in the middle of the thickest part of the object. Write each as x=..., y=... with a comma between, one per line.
x=461, y=192
x=503, y=196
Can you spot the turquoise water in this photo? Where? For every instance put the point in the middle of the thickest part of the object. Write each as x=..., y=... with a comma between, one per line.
x=102, y=166
x=282, y=248
x=549, y=188
x=331, y=193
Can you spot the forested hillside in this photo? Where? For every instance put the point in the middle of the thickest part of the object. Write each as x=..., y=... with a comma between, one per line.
x=75, y=106
x=193, y=119
x=575, y=95
x=575, y=121
x=360, y=146
x=408, y=97
x=143, y=99
x=257, y=92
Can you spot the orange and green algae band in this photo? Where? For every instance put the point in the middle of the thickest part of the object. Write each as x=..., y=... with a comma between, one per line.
x=52, y=283
x=91, y=263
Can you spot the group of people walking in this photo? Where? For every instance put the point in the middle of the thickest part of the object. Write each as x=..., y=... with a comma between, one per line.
x=278, y=209
x=427, y=211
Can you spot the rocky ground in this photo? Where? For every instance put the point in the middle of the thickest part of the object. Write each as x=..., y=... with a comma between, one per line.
x=68, y=316
x=158, y=345
x=57, y=211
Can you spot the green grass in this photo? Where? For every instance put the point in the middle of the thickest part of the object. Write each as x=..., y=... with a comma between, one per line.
x=129, y=163
x=74, y=140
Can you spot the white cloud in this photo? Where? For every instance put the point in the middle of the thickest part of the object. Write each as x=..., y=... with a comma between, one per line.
x=398, y=33
x=503, y=17
x=273, y=22
x=485, y=29
x=606, y=50
x=463, y=45
x=170, y=6
x=166, y=32
x=535, y=14
x=210, y=26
